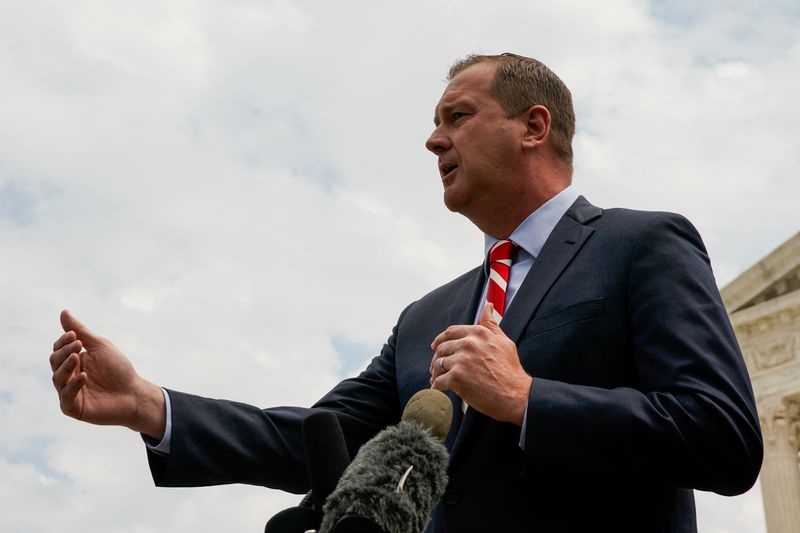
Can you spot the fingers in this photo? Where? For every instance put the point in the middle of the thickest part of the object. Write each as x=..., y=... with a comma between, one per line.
x=448, y=356
x=70, y=323
x=62, y=351
x=69, y=394
x=487, y=320
x=440, y=365
x=489, y=317
x=65, y=338
x=453, y=344
x=451, y=333
x=450, y=375
x=68, y=384
x=442, y=350
x=64, y=371
x=440, y=369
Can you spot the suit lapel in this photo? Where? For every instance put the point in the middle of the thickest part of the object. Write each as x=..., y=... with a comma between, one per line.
x=561, y=246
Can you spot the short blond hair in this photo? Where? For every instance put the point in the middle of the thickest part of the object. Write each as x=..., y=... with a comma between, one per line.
x=521, y=82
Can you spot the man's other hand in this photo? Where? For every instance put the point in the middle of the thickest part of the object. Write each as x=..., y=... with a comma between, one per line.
x=480, y=364
x=96, y=383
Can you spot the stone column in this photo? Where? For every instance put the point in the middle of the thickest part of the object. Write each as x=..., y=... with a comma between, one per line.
x=780, y=474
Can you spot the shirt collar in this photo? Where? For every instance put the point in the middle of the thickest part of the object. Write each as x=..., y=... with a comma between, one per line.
x=534, y=230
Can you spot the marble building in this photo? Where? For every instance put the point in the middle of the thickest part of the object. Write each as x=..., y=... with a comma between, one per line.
x=764, y=307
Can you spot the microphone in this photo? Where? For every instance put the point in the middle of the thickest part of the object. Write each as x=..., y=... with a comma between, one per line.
x=398, y=476
x=326, y=454
x=326, y=459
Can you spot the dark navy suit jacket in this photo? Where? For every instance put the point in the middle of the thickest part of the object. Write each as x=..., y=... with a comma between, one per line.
x=639, y=395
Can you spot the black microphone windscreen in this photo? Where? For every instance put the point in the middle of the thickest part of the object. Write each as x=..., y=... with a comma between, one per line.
x=326, y=454
x=394, y=482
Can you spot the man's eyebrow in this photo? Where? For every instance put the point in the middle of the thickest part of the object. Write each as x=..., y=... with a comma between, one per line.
x=436, y=112
x=443, y=109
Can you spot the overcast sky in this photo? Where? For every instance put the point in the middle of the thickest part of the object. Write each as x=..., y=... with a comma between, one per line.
x=238, y=195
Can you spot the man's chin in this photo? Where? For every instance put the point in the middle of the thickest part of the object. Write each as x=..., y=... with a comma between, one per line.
x=453, y=201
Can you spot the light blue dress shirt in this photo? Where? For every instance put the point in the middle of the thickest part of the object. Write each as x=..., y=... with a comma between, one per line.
x=529, y=236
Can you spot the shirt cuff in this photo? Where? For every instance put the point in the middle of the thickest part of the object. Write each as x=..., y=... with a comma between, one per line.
x=163, y=447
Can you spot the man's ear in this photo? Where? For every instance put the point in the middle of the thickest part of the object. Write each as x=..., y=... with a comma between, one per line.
x=537, y=119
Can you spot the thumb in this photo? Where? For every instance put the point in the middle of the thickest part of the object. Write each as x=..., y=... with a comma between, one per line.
x=70, y=323
x=488, y=317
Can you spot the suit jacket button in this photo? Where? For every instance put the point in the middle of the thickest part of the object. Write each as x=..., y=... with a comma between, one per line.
x=450, y=497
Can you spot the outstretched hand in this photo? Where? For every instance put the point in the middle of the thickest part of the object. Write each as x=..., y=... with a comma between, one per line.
x=481, y=364
x=96, y=383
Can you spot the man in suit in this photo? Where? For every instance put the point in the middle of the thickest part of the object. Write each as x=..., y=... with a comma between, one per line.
x=611, y=387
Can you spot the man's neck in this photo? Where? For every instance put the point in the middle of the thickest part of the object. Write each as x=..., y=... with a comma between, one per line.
x=513, y=215
x=531, y=233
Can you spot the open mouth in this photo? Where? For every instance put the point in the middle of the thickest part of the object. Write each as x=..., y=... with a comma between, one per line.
x=447, y=170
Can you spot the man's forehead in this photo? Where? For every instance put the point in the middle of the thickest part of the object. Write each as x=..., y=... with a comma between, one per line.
x=450, y=94
x=449, y=99
x=474, y=80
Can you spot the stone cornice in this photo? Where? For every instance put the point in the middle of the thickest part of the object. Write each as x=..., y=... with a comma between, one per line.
x=788, y=305
x=780, y=262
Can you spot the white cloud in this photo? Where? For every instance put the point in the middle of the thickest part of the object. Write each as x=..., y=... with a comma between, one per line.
x=233, y=191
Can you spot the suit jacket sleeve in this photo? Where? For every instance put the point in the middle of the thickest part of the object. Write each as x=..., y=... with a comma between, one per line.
x=686, y=416
x=219, y=441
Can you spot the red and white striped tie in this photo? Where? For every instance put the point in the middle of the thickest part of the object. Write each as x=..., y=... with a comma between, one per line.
x=499, y=268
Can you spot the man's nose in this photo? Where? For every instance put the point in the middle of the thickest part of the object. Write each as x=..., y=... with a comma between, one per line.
x=437, y=142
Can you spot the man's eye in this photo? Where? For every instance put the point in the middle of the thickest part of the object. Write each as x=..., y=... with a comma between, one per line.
x=457, y=115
